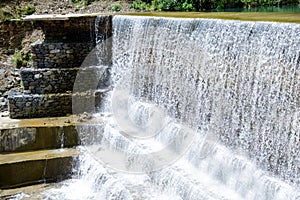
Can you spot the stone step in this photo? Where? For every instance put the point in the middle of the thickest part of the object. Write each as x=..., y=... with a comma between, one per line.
x=52, y=105
x=56, y=54
x=47, y=81
x=27, y=168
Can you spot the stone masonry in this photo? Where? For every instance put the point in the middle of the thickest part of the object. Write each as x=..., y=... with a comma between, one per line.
x=59, y=55
x=60, y=64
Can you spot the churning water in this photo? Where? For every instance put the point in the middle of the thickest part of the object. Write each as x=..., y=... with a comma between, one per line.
x=200, y=109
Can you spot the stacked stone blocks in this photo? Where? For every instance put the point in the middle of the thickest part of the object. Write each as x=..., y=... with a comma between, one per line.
x=57, y=62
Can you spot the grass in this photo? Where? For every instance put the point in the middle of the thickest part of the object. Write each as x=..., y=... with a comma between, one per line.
x=246, y=16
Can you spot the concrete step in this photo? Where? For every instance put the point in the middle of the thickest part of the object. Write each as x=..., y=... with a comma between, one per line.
x=27, y=168
x=19, y=135
x=30, y=192
x=36, y=138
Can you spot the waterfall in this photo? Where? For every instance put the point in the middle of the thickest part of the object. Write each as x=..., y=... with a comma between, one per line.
x=236, y=80
x=200, y=109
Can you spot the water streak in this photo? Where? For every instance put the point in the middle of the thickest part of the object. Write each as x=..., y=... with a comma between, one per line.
x=233, y=85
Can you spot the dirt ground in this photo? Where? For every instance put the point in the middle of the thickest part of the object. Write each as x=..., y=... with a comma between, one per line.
x=66, y=6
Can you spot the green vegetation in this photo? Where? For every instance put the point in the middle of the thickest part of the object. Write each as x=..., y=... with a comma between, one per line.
x=116, y=7
x=28, y=10
x=201, y=5
x=22, y=55
x=21, y=59
x=82, y=4
x=7, y=14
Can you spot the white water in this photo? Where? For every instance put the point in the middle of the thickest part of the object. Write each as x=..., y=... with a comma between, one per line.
x=226, y=95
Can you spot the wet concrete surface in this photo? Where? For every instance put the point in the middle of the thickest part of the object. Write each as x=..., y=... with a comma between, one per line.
x=27, y=168
x=39, y=150
x=6, y=122
x=27, y=193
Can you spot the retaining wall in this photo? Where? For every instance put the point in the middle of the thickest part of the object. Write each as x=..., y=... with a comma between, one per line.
x=47, y=81
x=59, y=55
x=51, y=105
x=69, y=44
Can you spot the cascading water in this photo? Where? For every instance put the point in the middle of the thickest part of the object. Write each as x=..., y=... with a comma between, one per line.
x=238, y=80
x=201, y=109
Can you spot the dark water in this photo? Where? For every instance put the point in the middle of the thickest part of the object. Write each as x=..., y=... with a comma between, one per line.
x=286, y=8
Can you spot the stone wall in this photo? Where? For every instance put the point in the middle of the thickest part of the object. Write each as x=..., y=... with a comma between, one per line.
x=30, y=105
x=51, y=105
x=77, y=29
x=69, y=44
x=59, y=55
x=46, y=81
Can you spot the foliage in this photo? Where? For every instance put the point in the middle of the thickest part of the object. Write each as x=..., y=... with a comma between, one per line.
x=21, y=59
x=28, y=10
x=5, y=15
x=116, y=7
x=140, y=5
x=82, y=4
x=165, y=5
x=200, y=5
x=8, y=13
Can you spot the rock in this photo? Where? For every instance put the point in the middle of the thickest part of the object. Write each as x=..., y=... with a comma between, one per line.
x=4, y=114
x=55, y=51
x=47, y=73
x=48, y=88
x=69, y=51
x=36, y=76
x=51, y=46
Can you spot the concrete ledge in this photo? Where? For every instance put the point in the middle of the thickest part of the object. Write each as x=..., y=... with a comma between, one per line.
x=35, y=167
x=47, y=17
x=36, y=138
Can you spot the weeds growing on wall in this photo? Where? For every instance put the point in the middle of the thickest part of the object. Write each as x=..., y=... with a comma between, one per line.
x=200, y=5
